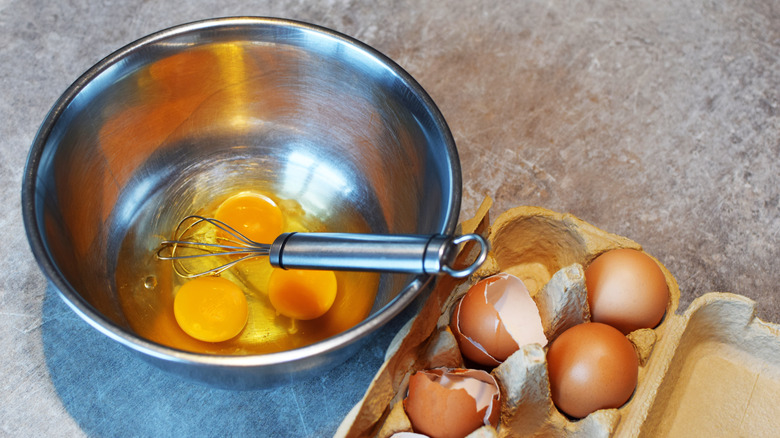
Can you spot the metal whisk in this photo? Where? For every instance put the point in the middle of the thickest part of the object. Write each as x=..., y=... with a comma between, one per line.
x=416, y=254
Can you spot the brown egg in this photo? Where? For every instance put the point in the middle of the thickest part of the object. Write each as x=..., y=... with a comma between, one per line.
x=451, y=403
x=494, y=318
x=627, y=290
x=591, y=366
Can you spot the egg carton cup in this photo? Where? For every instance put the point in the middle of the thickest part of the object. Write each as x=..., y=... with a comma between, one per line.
x=713, y=370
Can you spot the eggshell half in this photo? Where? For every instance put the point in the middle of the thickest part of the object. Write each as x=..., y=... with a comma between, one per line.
x=444, y=403
x=496, y=317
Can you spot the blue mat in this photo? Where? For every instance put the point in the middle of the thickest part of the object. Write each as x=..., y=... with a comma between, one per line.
x=110, y=391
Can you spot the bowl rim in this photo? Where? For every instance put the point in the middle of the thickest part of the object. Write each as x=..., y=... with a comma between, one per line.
x=89, y=314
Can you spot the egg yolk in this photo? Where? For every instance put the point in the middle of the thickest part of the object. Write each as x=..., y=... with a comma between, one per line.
x=302, y=294
x=210, y=309
x=254, y=215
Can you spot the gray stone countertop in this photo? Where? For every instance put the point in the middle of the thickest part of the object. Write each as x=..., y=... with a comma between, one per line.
x=659, y=121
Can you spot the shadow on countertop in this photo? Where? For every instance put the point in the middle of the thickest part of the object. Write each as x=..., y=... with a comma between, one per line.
x=109, y=391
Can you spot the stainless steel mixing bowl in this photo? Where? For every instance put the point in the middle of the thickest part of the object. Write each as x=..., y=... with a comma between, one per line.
x=193, y=112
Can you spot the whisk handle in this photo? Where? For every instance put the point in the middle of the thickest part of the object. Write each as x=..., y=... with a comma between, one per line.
x=416, y=254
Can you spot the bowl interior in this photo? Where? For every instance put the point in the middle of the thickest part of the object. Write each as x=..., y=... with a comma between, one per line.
x=190, y=115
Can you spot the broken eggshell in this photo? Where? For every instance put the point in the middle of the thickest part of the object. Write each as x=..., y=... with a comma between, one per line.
x=451, y=403
x=495, y=318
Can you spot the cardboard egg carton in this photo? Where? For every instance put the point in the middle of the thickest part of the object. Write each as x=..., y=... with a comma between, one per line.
x=712, y=371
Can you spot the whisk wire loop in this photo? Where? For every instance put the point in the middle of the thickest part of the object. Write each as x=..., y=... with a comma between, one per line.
x=237, y=244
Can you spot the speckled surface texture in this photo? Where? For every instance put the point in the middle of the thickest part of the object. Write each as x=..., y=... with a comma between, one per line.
x=659, y=121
